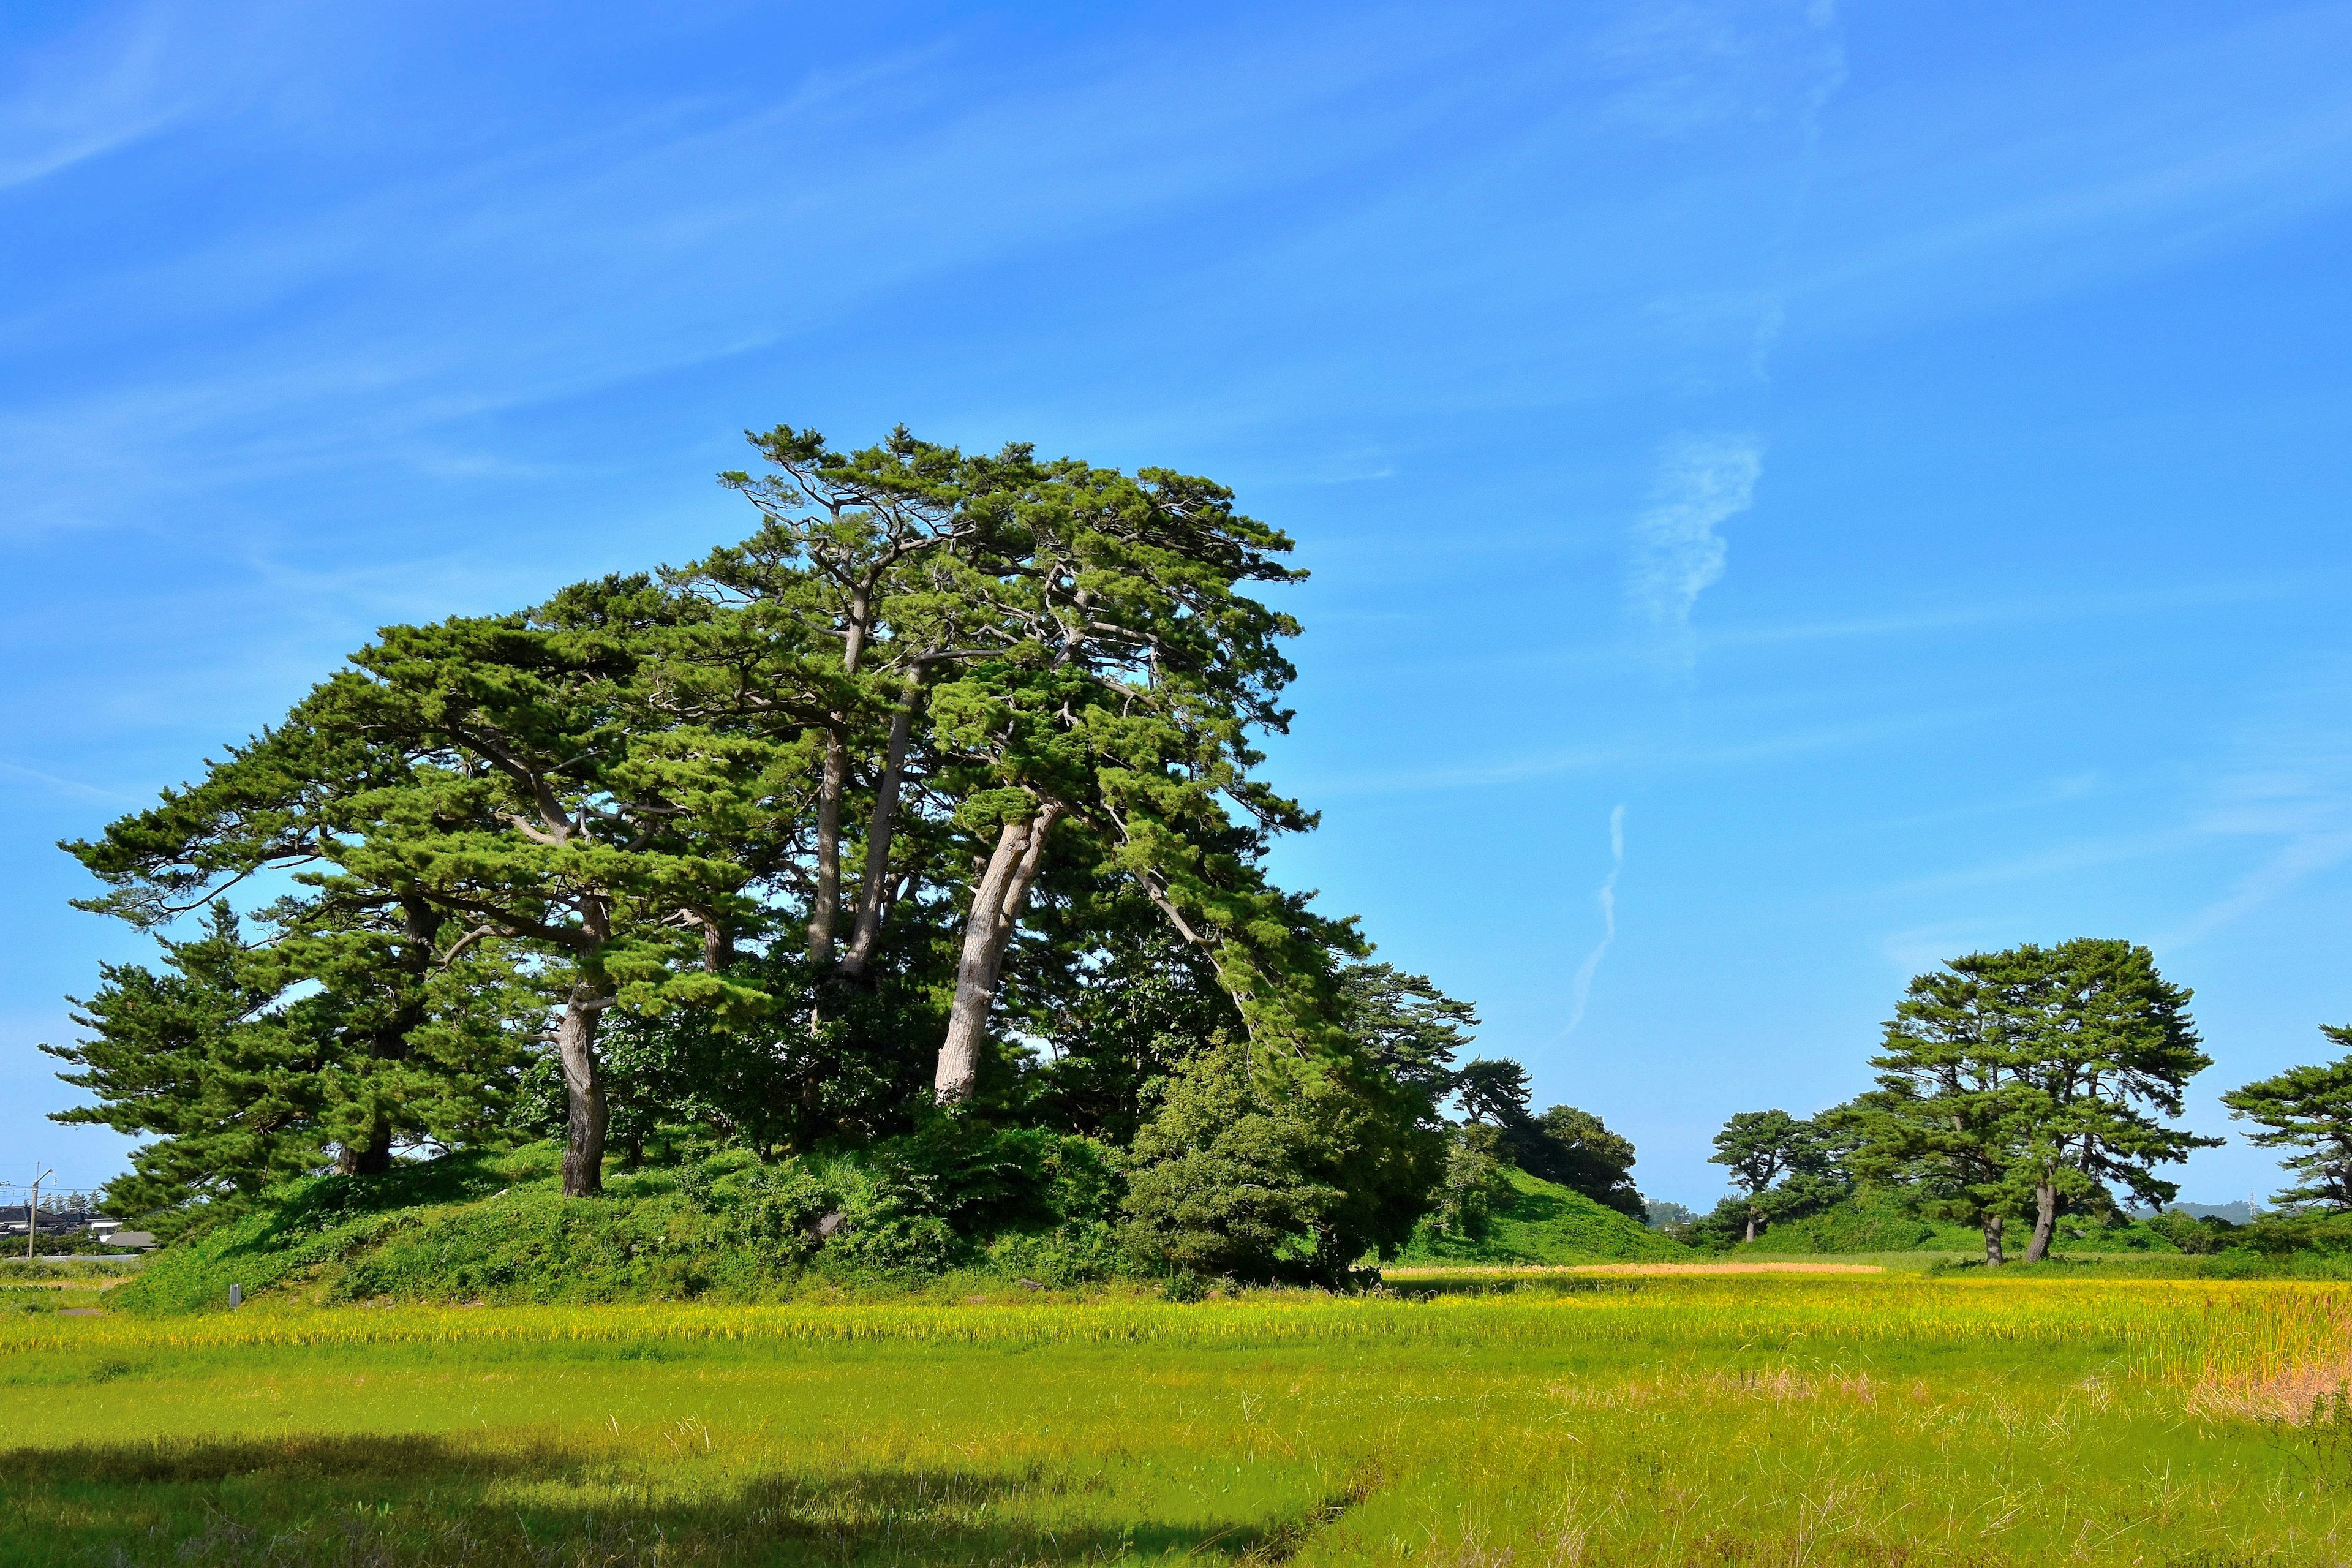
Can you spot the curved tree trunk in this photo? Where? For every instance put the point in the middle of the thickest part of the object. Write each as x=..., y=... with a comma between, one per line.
x=583, y=1092
x=865, y=936
x=995, y=906
x=2045, y=1221
x=825, y=904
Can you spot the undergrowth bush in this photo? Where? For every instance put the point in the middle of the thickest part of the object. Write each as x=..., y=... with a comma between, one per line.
x=955, y=1194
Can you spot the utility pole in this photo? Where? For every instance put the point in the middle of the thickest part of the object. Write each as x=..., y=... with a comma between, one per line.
x=33, y=1214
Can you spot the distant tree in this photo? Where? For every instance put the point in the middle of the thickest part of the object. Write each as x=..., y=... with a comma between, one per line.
x=1493, y=1090
x=1408, y=1026
x=1780, y=1164
x=1566, y=1145
x=2310, y=1109
x=1659, y=1213
x=1577, y=1149
x=1476, y=1182
x=2028, y=1081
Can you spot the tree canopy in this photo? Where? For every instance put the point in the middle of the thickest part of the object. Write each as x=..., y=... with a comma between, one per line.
x=2036, y=1080
x=2308, y=1108
x=939, y=793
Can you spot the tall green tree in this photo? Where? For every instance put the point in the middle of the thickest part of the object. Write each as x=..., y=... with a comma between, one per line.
x=872, y=571
x=410, y=1054
x=549, y=802
x=1412, y=1030
x=2308, y=1108
x=1780, y=1164
x=2107, y=1044
x=1120, y=713
x=2032, y=1081
x=1952, y=1112
x=1023, y=653
x=195, y=1058
x=247, y=1060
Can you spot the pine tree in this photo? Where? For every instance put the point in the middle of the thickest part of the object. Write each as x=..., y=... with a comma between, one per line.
x=2309, y=1108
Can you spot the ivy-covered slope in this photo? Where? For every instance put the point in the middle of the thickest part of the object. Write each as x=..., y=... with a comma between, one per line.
x=1545, y=1223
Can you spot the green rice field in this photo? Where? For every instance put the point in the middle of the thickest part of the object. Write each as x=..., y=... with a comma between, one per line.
x=1793, y=1419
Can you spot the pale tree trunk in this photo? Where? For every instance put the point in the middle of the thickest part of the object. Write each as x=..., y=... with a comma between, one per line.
x=2045, y=1221
x=996, y=907
x=825, y=906
x=1751, y=1224
x=824, y=909
x=584, y=1091
x=1993, y=1258
x=867, y=935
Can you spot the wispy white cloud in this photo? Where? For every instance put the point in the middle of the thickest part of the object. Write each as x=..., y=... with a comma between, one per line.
x=1648, y=750
x=73, y=787
x=97, y=90
x=1581, y=992
x=2287, y=867
x=1677, y=554
x=2289, y=782
x=2057, y=609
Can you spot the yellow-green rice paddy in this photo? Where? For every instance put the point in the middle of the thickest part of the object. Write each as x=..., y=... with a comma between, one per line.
x=1761, y=1418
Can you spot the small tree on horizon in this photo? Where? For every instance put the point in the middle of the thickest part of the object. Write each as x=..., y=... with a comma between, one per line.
x=1778, y=1162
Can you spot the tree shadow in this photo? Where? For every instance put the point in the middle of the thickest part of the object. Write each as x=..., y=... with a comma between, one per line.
x=428, y=1501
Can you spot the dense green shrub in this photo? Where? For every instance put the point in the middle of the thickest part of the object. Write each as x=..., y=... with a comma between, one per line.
x=1277, y=1169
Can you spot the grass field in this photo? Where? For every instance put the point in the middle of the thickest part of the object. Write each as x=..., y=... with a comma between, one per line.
x=1879, y=1419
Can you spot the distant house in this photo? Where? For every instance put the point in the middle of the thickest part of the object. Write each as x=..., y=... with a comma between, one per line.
x=58, y=1222
x=133, y=1240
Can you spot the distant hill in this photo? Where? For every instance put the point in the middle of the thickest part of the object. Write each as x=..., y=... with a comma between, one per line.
x=1546, y=1223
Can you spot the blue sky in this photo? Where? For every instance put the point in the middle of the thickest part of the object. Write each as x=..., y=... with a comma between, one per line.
x=1795, y=491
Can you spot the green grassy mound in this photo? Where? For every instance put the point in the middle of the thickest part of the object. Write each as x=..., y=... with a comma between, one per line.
x=1545, y=1223
x=1867, y=1222
x=498, y=1229
x=1880, y=1221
